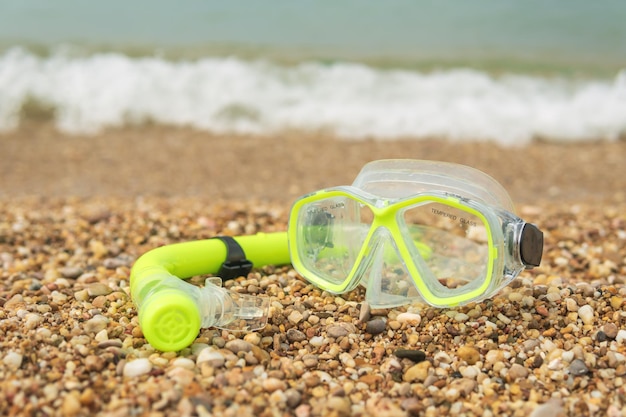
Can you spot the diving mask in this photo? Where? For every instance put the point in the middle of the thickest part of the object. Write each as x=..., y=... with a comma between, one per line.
x=412, y=230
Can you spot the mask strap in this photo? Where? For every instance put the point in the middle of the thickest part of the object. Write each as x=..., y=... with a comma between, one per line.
x=236, y=264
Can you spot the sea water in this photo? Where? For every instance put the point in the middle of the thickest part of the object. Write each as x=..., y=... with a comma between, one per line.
x=508, y=71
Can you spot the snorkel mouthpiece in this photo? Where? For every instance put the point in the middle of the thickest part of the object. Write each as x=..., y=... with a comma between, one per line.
x=172, y=311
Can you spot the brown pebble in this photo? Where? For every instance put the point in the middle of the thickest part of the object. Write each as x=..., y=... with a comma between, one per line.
x=238, y=345
x=468, y=354
x=516, y=371
x=610, y=330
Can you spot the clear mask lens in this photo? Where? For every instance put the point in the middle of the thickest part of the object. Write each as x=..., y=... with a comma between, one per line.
x=457, y=242
x=332, y=232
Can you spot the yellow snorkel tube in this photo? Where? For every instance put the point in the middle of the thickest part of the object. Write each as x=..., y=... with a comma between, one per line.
x=171, y=311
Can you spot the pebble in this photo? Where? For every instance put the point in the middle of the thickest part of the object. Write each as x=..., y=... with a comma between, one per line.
x=183, y=363
x=13, y=360
x=516, y=371
x=71, y=405
x=417, y=372
x=273, y=384
x=620, y=336
x=96, y=324
x=376, y=326
x=578, y=367
x=295, y=317
x=212, y=356
x=71, y=272
x=347, y=360
x=97, y=289
x=413, y=355
x=412, y=319
x=238, y=345
x=469, y=354
x=586, y=314
x=337, y=331
x=295, y=335
x=610, y=330
x=365, y=312
x=137, y=367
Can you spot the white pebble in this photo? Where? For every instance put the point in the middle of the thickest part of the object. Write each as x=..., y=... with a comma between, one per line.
x=13, y=360
x=32, y=320
x=316, y=341
x=413, y=319
x=214, y=357
x=461, y=317
x=102, y=336
x=504, y=319
x=621, y=336
x=137, y=367
x=347, y=360
x=183, y=363
x=586, y=314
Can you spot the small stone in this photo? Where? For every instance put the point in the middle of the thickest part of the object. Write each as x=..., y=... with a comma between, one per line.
x=310, y=361
x=98, y=288
x=81, y=295
x=411, y=354
x=412, y=319
x=468, y=354
x=417, y=372
x=94, y=363
x=212, y=356
x=586, y=314
x=578, y=367
x=337, y=331
x=70, y=406
x=137, y=367
x=13, y=360
x=71, y=272
x=616, y=302
x=347, y=360
x=610, y=330
x=340, y=405
x=365, y=313
x=238, y=345
x=517, y=371
x=620, y=336
x=375, y=326
x=273, y=384
x=295, y=335
x=293, y=397
x=571, y=304
x=32, y=320
x=461, y=317
x=295, y=317
x=184, y=363
x=96, y=324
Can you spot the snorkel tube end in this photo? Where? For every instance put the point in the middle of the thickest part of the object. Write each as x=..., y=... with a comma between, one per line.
x=170, y=320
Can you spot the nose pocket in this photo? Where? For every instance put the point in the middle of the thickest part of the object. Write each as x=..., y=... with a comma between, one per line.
x=384, y=274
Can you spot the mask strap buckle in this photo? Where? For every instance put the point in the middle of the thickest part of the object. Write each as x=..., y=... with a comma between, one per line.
x=236, y=264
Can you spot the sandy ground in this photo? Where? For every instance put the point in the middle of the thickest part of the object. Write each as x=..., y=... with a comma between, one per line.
x=76, y=212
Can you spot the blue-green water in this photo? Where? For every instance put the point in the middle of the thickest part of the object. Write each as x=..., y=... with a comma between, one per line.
x=503, y=70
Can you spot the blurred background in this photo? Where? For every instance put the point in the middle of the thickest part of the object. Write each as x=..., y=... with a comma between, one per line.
x=504, y=71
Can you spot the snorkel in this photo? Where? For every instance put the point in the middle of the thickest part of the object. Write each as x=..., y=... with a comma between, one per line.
x=424, y=223
x=171, y=311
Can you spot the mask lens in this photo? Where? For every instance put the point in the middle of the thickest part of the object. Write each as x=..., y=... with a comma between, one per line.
x=452, y=242
x=330, y=234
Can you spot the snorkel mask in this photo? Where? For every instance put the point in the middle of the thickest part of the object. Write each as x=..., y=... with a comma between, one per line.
x=406, y=230
x=410, y=230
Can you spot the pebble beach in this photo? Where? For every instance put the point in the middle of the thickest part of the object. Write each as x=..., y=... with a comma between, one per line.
x=77, y=211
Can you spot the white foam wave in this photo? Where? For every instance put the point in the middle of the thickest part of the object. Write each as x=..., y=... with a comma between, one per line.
x=351, y=100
